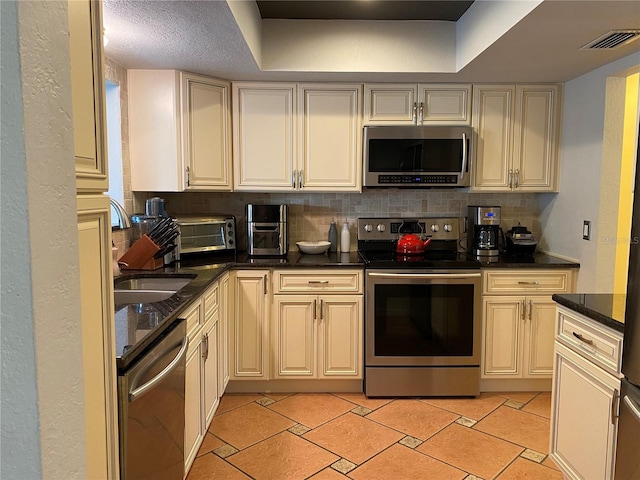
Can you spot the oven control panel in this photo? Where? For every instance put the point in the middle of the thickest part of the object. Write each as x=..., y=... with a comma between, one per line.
x=437, y=228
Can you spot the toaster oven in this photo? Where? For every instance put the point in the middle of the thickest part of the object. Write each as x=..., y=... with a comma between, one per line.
x=203, y=234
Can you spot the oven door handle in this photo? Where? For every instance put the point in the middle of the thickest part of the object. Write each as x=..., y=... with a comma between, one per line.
x=424, y=275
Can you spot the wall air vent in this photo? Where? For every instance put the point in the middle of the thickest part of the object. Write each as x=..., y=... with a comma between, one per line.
x=612, y=39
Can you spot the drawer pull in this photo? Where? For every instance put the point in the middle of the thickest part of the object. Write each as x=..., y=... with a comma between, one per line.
x=528, y=283
x=582, y=339
x=318, y=282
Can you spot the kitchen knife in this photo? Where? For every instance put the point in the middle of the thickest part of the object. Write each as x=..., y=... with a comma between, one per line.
x=157, y=227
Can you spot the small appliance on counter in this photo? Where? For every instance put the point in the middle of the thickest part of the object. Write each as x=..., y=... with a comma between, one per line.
x=206, y=234
x=520, y=241
x=267, y=230
x=483, y=232
x=155, y=224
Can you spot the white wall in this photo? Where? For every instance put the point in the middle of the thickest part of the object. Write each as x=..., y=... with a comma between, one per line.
x=42, y=387
x=562, y=214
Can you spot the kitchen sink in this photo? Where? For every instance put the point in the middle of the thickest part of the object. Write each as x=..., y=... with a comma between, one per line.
x=154, y=283
x=148, y=289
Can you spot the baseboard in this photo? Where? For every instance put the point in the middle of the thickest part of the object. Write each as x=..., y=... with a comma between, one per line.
x=515, y=385
x=294, y=386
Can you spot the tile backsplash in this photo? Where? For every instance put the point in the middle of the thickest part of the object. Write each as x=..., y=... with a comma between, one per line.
x=310, y=214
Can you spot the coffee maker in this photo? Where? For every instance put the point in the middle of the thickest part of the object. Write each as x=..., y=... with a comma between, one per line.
x=483, y=232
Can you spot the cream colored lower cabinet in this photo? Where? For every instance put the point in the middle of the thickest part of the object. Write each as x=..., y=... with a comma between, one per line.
x=98, y=348
x=317, y=319
x=519, y=321
x=249, y=325
x=518, y=337
x=585, y=400
x=317, y=336
x=202, y=387
x=223, y=333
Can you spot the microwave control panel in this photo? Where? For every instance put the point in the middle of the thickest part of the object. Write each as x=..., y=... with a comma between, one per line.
x=417, y=179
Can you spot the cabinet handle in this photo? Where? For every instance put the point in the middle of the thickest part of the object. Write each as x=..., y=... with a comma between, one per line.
x=188, y=176
x=614, y=406
x=318, y=282
x=523, y=314
x=293, y=179
x=315, y=309
x=517, y=177
x=414, y=117
x=510, y=178
x=582, y=339
x=300, y=177
x=205, y=345
x=528, y=283
x=265, y=285
x=321, y=309
x=421, y=112
x=530, y=308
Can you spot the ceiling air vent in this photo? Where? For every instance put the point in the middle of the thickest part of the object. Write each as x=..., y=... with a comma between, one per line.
x=612, y=39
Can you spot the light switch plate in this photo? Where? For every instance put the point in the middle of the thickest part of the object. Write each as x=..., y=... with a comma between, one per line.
x=586, y=230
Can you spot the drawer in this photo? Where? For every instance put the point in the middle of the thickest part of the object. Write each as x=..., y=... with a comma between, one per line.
x=594, y=342
x=211, y=301
x=527, y=282
x=329, y=281
x=194, y=319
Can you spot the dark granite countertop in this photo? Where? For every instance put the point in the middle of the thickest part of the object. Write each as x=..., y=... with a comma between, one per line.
x=538, y=260
x=604, y=308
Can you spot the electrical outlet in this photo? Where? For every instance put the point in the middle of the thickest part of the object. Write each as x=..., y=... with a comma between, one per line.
x=586, y=230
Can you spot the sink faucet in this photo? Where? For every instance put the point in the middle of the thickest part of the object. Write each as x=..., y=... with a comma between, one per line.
x=123, y=218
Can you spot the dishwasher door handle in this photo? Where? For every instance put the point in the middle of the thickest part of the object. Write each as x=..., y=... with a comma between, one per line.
x=138, y=392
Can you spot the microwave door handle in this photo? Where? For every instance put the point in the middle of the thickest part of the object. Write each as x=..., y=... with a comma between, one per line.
x=464, y=156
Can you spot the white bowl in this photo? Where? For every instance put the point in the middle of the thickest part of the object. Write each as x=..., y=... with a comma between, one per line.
x=313, y=247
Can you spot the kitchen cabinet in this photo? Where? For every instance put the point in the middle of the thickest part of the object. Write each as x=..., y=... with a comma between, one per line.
x=317, y=324
x=223, y=334
x=296, y=137
x=518, y=322
x=417, y=104
x=180, y=131
x=249, y=330
x=586, y=396
x=202, y=386
x=517, y=136
x=88, y=95
x=98, y=336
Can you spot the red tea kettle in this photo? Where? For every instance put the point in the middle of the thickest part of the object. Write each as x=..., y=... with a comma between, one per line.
x=411, y=244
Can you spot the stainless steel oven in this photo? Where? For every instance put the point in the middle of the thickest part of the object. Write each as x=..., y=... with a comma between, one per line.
x=422, y=315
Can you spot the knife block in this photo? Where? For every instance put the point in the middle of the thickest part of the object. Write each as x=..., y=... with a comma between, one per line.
x=140, y=256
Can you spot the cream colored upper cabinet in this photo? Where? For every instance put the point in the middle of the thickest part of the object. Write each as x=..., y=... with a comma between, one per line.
x=179, y=131
x=329, y=124
x=517, y=136
x=290, y=137
x=88, y=95
x=264, y=139
x=417, y=104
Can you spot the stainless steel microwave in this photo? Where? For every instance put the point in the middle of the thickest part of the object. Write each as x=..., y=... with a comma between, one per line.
x=417, y=156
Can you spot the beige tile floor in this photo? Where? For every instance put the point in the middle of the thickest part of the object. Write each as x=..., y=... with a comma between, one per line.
x=348, y=436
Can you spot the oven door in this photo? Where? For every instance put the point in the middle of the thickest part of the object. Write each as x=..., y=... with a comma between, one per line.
x=423, y=318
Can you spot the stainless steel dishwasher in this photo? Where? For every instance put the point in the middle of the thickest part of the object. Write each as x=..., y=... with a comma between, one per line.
x=151, y=409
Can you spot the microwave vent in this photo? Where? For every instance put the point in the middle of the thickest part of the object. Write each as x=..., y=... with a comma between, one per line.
x=612, y=39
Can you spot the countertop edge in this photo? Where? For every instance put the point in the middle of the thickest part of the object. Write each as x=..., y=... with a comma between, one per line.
x=588, y=312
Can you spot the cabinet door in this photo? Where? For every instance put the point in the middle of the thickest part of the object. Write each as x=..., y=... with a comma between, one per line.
x=535, y=145
x=294, y=336
x=98, y=349
x=390, y=104
x=223, y=335
x=210, y=394
x=249, y=331
x=492, y=120
x=206, y=142
x=88, y=95
x=341, y=336
x=444, y=104
x=583, y=417
x=193, y=403
x=538, y=346
x=502, y=337
x=329, y=119
x=264, y=142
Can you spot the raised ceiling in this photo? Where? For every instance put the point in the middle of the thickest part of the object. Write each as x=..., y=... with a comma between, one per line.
x=363, y=10
x=493, y=41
